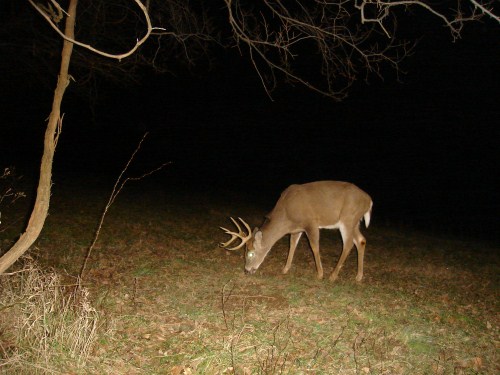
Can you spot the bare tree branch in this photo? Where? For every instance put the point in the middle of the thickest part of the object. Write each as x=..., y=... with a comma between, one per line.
x=346, y=37
x=486, y=9
x=47, y=15
x=454, y=24
x=278, y=34
x=324, y=45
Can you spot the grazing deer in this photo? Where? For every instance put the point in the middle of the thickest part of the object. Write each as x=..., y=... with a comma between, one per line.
x=308, y=208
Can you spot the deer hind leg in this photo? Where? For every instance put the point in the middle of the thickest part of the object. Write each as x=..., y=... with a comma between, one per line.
x=360, y=242
x=294, y=240
x=347, y=240
x=313, y=236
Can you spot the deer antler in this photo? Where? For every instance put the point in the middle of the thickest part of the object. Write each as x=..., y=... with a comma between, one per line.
x=244, y=237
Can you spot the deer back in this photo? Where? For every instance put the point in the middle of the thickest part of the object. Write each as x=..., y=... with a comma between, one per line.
x=320, y=204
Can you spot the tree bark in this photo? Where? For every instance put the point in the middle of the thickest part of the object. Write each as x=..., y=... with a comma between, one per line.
x=41, y=207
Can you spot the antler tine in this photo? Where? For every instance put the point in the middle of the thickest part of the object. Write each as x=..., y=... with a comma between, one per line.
x=233, y=237
x=244, y=237
x=246, y=226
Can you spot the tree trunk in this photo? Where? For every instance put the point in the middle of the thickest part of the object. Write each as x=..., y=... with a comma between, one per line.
x=41, y=207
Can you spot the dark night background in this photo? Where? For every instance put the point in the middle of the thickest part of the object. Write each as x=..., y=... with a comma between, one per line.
x=425, y=148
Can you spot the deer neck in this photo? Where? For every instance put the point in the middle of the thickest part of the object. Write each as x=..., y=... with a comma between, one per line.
x=272, y=231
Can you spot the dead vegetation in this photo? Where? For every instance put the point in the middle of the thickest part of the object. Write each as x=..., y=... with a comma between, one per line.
x=46, y=325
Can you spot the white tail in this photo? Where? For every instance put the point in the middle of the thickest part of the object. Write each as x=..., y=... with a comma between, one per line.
x=367, y=215
x=309, y=208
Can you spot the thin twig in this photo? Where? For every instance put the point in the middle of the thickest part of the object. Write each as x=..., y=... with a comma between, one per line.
x=224, y=300
x=117, y=188
x=485, y=10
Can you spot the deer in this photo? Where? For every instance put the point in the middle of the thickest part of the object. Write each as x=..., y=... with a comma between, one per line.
x=307, y=208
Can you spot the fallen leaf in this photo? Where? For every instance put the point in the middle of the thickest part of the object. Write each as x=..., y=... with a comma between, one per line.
x=477, y=363
x=437, y=369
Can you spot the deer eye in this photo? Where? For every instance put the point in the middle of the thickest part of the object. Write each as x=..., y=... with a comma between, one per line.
x=250, y=254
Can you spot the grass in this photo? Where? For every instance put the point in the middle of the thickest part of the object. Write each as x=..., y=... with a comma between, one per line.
x=170, y=301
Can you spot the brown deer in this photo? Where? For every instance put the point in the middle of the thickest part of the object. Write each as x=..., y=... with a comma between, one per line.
x=308, y=208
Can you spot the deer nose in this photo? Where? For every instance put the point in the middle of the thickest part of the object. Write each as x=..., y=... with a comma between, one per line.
x=250, y=271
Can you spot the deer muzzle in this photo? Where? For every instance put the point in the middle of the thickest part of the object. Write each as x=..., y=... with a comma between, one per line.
x=250, y=270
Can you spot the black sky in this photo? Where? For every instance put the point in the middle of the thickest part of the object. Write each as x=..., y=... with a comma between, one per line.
x=425, y=148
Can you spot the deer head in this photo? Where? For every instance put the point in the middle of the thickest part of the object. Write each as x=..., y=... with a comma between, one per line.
x=255, y=250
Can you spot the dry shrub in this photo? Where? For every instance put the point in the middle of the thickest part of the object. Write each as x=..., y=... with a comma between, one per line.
x=45, y=326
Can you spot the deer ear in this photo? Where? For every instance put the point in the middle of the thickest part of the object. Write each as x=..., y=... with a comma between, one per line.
x=257, y=236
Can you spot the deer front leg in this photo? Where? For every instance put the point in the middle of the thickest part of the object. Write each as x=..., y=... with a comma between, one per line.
x=313, y=236
x=294, y=240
